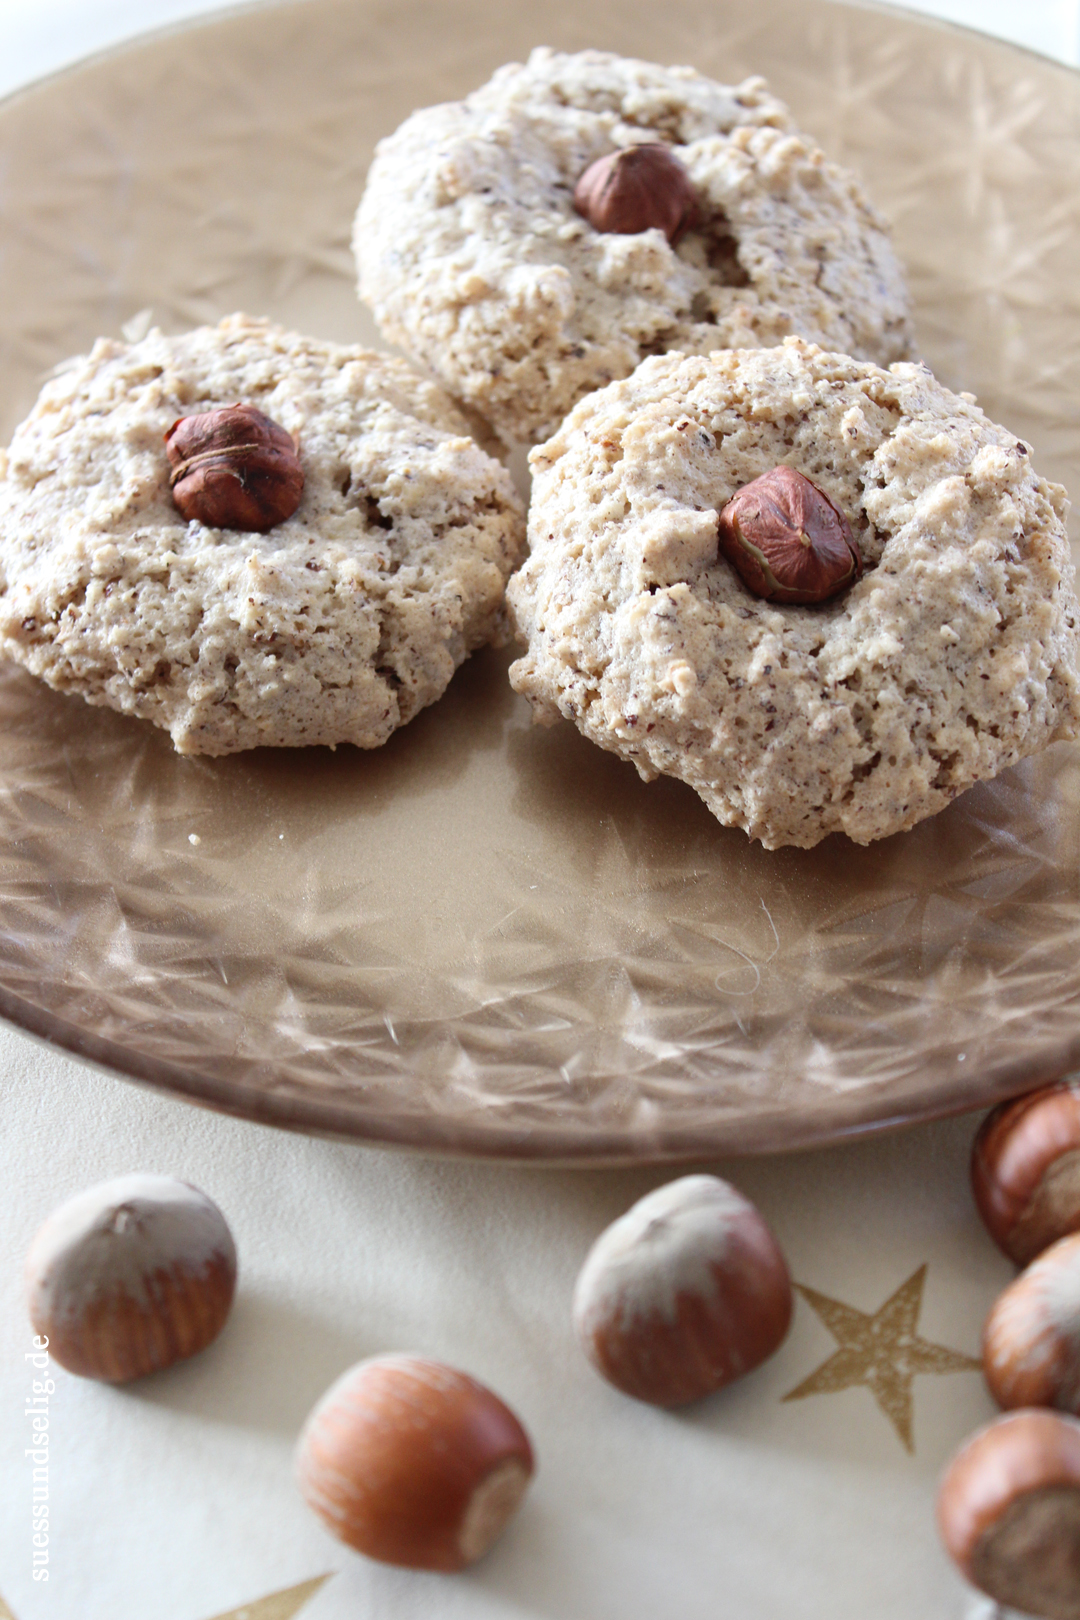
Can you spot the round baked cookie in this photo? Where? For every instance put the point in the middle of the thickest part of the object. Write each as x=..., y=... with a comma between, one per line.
x=475, y=262
x=952, y=657
x=337, y=625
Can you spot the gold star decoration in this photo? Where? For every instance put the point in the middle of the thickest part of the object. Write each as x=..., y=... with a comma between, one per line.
x=882, y=1352
x=276, y=1606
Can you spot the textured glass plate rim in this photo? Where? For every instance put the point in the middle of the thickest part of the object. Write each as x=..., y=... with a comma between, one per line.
x=532, y=1143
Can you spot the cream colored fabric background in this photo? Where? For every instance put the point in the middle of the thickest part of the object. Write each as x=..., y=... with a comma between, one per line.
x=174, y=1500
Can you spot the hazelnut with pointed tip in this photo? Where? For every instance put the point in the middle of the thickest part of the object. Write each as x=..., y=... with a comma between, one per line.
x=414, y=1463
x=234, y=468
x=685, y=1292
x=787, y=541
x=1025, y=1170
x=1009, y=1513
x=130, y=1276
x=638, y=188
x=1031, y=1341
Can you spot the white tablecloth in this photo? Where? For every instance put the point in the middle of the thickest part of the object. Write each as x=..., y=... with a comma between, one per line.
x=174, y=1499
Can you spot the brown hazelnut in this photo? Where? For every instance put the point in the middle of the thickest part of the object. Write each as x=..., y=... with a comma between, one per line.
x=413, y=1463
x=234, y=468
x=638, y=188
x=1009, y=1513
x=1025, y=1170
x=1031, y=1341
x=130, y=1276
x=787, y=541
x=683, y=1293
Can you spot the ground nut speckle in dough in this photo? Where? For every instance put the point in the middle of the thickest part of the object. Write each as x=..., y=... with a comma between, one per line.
x=954, y=656
x=335, y=626
x=474, y=260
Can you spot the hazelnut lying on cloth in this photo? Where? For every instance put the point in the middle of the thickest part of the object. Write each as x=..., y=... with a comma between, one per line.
x=1031, y=1341
x=1009, y=1513
x=130, y=1276
x=413, y=1463
x=234, y=468
x=638, y=188
x=787, y=541
x=1025, y=1170
x=683, y=1293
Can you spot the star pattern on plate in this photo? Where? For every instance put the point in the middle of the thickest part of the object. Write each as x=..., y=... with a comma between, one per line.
x=634, y=995
x=882, y=1352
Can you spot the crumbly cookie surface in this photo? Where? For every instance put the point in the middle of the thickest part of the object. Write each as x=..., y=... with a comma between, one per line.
x=337, y=625
x=475, y=262
x=954, y=656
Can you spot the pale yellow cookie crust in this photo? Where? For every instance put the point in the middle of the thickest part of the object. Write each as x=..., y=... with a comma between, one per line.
x=954, y=656
x=337, y=625
x=474, y=260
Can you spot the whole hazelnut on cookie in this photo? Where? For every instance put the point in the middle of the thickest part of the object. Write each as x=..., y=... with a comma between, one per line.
x=1009, y=1513
x=234, y=468
x=685, y=1292
x=1025, y=1170
x=1031, y=1341
x=638, y=188
x=130, y=1276
x=787, y=541
x=414, y=1463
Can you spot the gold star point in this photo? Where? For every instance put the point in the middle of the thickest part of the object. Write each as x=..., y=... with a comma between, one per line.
x=882, y=1352
x=277, y=1605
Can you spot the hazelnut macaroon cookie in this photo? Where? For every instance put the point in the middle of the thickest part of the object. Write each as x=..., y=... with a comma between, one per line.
x=251, y=537
x=828, y=596
x=540, y=238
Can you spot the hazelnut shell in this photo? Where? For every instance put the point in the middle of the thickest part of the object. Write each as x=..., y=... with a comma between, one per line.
x=234, y=468
x=130, y=1276
x=685, y=1292
x=1025, y=1171
x=1009, y=1512
x=787, y=541
x=638, y=188
x=1031, y=1341
x=413, y=1463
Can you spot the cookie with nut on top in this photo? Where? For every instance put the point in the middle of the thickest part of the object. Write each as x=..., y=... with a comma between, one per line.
x=582, y=211
x=251, y=537
x=828, y=596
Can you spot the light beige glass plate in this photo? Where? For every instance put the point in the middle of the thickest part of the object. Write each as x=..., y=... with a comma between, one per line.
x=484, y=937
